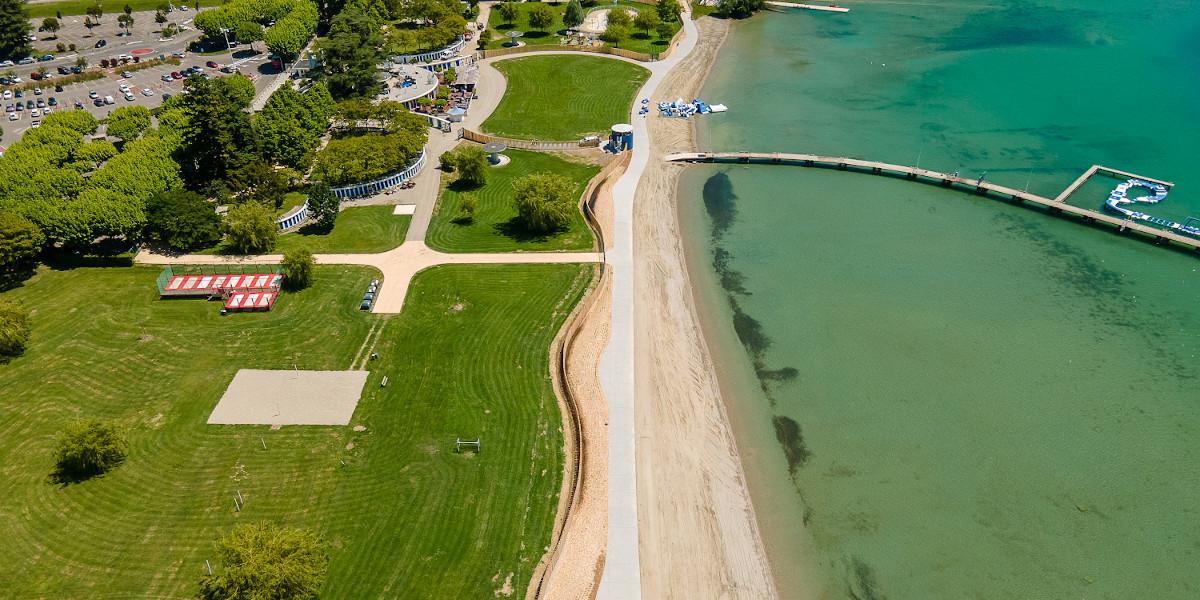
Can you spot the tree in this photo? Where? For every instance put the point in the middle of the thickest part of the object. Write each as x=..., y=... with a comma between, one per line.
x=81, y=62
x=88, y=448
x=291, y=124
x=160, y=17
x=258, y=181
x=646, y=20
x=540, y=16
x=738, y=9
x=248, y=32
x=323, y=205
x=573, y=15
x=95, y=12
x=20, y=240
x=217, y=136
x=508, y=12
x=14, y=30
x=544, y=201
x=128, y=122
x=664, y=30
x=128, y=9
x=251, y=228
x=668, y=10
x=615, y=34
x=467, y=203
x=182, y=220
x=619, y=16
x=51, y=24
x=298, y=264
x=351, y=55
x=262, y=560
x=472, y=164
x=14, y=330
x=125, y=21
x=365, y=157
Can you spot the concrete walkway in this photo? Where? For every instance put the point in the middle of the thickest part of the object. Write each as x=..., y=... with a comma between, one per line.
x=621, y=579
x=398, y=266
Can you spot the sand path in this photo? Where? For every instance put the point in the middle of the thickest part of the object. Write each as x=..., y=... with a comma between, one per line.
x=398, y=265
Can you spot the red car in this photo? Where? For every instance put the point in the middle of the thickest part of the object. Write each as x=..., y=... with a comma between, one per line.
x=211, y=64
x=176, y=75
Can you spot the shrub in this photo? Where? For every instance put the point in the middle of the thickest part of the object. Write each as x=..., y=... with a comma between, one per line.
x=251, y=228
x=298, y=268
x=361, y=158
x=618, y=16
x=467, y=203
x=543, y=202
x=615, y=34
x=14, y=330
x=472, y=164
x=267, y=561
x=88, y=448
x=20, y=239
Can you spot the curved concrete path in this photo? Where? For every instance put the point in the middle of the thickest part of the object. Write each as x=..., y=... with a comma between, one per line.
x=622, y=578
x=398, y=265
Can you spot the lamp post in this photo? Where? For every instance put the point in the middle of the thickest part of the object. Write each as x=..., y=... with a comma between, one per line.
x=225, y=32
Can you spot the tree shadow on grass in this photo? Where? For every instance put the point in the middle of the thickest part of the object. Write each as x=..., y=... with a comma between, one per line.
x=515, y=230
x=15, y=276
x=314, y=229
x=61, y=259
x=506, y=26
x=64, y=477
x=536, y=35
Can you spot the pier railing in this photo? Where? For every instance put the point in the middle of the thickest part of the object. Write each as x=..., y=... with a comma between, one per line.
x=483, y=138
x=1057, y=205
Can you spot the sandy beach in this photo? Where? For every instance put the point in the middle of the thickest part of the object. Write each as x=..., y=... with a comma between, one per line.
x=699, y=537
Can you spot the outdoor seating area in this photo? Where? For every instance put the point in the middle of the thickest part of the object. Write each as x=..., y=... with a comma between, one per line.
x=240, y=291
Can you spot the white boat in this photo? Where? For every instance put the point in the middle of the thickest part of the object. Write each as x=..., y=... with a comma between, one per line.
x=718, y=108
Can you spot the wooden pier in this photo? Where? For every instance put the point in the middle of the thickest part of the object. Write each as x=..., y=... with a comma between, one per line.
x=1056, y=205
x=820, y=7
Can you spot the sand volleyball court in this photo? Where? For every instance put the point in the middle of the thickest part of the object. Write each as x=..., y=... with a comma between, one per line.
x=260, y=397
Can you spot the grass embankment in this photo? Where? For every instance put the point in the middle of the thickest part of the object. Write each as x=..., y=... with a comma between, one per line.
x=359, y=229
x=564, y=97
x=639, y=41
x=79, y=7
x=495, y=227
x=404, y=517
x=701, y=10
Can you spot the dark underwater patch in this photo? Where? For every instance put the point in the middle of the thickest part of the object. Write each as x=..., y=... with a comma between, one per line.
x=788, y=432
x=860, y=581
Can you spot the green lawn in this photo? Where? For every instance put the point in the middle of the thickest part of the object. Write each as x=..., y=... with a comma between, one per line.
x=564, y=97
x=639, y=42
x=111, y=9
x=359, y=229
x=494, y=228
x=403, y=516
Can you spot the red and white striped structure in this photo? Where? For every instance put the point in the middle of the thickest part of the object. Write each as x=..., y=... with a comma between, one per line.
x=250, y=300
x=207, y=285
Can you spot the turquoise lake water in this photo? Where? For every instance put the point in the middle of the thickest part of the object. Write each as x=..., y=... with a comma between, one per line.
x=939, y=395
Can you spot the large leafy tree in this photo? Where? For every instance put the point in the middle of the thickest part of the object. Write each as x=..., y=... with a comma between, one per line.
x=290, y=126
x=668, y=10
x=508, y=12
x=738, y=9
x=182, y=220
x=20, y=239
x=258, y=181
x=365, y=157
x=298, y=265
x=88, y=448
x=14, y=330
x=265, y=561
x=14, y=30
x=472, y=165
x=544, y=202
x=647, y=21
x=251, y=228
x=217, y=137
x=128, y=122
x=351, y=55
x=540, y=16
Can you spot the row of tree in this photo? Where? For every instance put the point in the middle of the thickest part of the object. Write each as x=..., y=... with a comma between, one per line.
x=285, y=25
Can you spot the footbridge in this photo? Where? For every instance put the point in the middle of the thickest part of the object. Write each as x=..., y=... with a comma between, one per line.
x=1056, y=205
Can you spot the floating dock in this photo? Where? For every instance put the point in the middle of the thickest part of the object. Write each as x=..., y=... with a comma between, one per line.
x=1056, y=205
x=830, y=8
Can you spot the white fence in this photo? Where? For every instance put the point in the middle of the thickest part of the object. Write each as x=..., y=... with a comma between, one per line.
x=356, y=190
x=432, y=55
x=293, y=217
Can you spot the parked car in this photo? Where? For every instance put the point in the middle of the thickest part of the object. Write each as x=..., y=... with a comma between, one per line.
x=109, y=100
x=46, y=57
x=126, y=74
x=178, y=54
x=28, y=60
x=37, y=91
x=35, y=113
x=101, y=43
x=93, y=95
x=130, y=97
x=52, y=101
x=8, y=94
x=64, y=70
x=7, y=63
x=47, y=111
x=124, y=87
x=147, y=92
x=365, y=305
x=18, y=93
x=227, y=69
x=41, y=103
x=97, y=102
x=166, y=96
x=29, y=104
x=176, y=75
x=58, y=88
x=9, y=108
x=166, y=77
x=76, y=69
x=79, y=104
x=12, y=116
x=20, y=107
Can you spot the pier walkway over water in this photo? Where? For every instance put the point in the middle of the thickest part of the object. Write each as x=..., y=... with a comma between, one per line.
x=1056, y=205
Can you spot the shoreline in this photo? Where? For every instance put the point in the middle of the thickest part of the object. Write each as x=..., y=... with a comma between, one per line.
x=692, y=488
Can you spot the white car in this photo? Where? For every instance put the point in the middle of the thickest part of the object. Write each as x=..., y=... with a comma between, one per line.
x=123, y=87
x=7, y=63
x=166, y=77
x=33, y=114
x=8, y=94
x=47, y=111
x=93, y=95
x=147, y=92
x=12, y=116
x=130, y=97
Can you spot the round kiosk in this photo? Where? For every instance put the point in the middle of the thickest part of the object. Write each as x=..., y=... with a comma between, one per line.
x=621, y=138
x=494, y=150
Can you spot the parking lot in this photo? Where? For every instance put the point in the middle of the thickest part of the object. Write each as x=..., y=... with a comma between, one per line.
x=143, y=42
